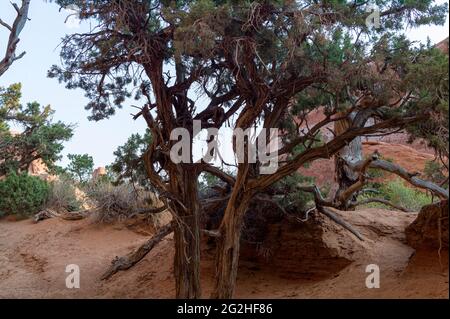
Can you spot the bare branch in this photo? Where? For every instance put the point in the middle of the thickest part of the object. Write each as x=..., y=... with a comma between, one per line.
x=218, y=173
x=327, y=212
x=128, y=261
x=403, y=173
x=7, y=26
x=15, y=30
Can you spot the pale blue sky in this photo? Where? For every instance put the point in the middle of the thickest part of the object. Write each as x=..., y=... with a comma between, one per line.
x=40, y=39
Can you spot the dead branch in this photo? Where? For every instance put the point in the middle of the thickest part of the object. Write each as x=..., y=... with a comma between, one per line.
x=49, y=213
x=321, y=206
x=212, y=233
x=327, y=212
x=403, y=173
x=128, y=261
x=15, y=30
x=410, y=177
x=361, y=182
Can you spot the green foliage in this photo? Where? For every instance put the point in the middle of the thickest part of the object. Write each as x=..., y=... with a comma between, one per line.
x=398, y=193
x=40, y=138
x=267, y=53
x=128, y=165
x=431, y=76
x=62, y=195
x=22, y=195
x=293, y=198
x=80, y=167
x=434, y=171
x=299, y=33
x=207, y=180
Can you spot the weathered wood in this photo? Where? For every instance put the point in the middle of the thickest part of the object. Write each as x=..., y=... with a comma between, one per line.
x=14, y=31
x=351, y=153
x=410, y=177
x=128, y=261
x=50, y=213
x=327, y=212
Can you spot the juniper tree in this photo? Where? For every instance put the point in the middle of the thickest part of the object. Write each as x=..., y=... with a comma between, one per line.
x=40, y=137
x=128, y=164
x=290, y=57
x=132, y=48
x=80, y=167
x=260, y=63
x=424, y=80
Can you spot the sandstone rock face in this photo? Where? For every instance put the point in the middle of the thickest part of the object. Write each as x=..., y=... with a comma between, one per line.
x=314, y=249
x=430, y=229
x=443, y=46
x=319, y=248
x=98, y=172
x=37, y=167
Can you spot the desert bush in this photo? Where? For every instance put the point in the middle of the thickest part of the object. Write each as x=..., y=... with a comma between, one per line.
x=62, y=196
x=119, y=202
x=398, y=193
x=22, y=194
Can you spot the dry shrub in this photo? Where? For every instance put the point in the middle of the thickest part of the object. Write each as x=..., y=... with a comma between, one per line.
x=122, y=202
x=63, y=196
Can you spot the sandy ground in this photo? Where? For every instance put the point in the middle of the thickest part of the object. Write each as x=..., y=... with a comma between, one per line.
x=33, y=258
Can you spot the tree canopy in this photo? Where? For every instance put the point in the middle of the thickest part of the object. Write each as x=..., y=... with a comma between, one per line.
x=39, y=137
x=128, y=164
x=80, y=166
x=252, y=63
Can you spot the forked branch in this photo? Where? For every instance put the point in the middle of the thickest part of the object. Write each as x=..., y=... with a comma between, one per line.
x=14, y=31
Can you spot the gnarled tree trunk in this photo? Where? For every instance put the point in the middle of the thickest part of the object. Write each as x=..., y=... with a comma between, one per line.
x=227, y=256
x=186, y=234
x=352, y=153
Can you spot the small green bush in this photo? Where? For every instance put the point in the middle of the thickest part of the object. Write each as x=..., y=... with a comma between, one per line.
x=22, y=194
x=398, y=193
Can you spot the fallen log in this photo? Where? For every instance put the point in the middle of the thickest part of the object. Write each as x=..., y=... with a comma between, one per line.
x=50, y=213
x=128, y=261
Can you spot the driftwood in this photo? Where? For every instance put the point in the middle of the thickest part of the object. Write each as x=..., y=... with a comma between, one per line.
x=50, y=213
x=128, y=261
